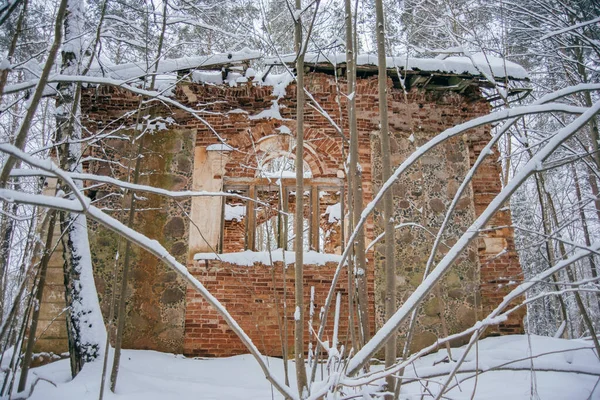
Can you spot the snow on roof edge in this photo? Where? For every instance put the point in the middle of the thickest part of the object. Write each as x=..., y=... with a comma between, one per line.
x=481, y=63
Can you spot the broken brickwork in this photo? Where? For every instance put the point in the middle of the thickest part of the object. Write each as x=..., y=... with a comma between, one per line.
x=163, y=315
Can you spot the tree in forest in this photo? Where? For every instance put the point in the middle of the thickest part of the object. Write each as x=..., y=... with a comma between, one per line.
x=559, y=43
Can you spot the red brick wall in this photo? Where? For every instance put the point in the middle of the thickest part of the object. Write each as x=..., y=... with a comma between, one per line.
x=254, y=296
x=248, y=292
x=499, y=273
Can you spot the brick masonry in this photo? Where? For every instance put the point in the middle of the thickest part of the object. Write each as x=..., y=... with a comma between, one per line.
x=256, y=296
x=163, y=315
x=52, y=324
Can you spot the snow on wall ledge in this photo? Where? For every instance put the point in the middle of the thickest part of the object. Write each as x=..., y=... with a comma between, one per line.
x=249, y=258
x=477, y=64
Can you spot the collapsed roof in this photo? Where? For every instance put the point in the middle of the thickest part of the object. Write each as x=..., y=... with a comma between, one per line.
x=475, y=65
x=454, y=73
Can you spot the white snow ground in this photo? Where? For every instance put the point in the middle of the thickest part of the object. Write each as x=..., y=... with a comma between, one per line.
x=150, y=375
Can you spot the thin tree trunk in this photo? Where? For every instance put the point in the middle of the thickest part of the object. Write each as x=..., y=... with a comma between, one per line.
x=540, y=187
x=283, y=245
x=299, y=217
x=13, y=365
x=594, y=186
x=356, y=179
x=124, y=279
x=584, y=225
x=6, y=231
x=581, y=69
x=388, y=201
x=111, y=317
x=582, y=309
x=31, y=242
x=594, y=135
x=539, y=180
x=10, y=324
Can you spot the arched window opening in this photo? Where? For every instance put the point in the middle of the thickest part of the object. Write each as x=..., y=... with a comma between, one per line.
x=283, y=166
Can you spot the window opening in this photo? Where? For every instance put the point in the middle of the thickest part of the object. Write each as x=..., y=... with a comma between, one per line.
x=282, y=167
x=268, y=222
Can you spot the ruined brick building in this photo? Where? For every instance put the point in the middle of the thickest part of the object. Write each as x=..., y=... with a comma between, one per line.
x=241, y=142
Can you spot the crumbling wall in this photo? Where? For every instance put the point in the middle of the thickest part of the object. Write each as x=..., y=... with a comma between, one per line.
x=422, y=196
x=157, y=300
x=499, y=262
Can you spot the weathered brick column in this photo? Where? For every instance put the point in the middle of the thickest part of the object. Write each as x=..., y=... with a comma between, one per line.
x=51, y=331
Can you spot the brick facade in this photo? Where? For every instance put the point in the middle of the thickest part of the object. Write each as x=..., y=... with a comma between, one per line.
x=184, y=323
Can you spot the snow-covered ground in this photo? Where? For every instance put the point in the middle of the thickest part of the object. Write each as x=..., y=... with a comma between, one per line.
x=559, y=369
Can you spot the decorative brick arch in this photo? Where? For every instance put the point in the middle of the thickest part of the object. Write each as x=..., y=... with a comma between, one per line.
x=312, y=158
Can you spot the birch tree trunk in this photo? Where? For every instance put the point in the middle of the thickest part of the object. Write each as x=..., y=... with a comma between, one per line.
x=86, y=330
